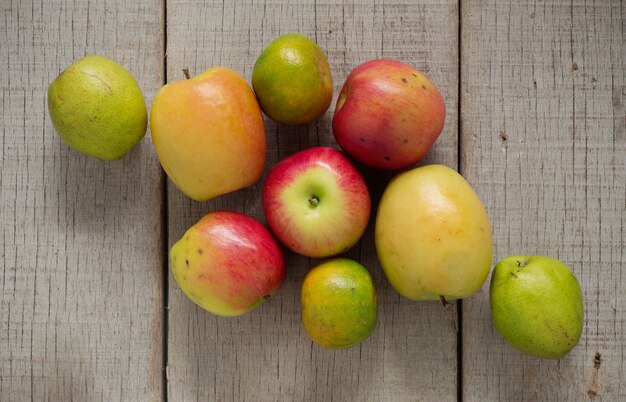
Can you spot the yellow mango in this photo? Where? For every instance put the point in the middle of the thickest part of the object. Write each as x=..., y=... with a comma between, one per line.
x=433, y=236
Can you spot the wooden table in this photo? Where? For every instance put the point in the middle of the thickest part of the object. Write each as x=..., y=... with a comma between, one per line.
x=536, y=121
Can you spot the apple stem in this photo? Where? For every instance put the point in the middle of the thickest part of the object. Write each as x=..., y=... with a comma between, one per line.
x=445, y=303
x=186, y=72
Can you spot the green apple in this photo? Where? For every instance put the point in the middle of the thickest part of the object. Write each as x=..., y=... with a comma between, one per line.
x=97, y=108
x=537, y=305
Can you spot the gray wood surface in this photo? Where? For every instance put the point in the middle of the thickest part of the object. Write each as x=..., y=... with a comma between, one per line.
x=542, y=140
x=87, y=314
x=81, y=305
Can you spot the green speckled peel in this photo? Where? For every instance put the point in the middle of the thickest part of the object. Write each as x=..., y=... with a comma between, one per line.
x=339, y=303
x=97, y=108
x=292, y=80
x=537, y=305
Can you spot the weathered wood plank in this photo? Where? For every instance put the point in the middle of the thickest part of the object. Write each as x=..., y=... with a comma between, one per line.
x=543, y=142
x=266, y=355
x=80, y=243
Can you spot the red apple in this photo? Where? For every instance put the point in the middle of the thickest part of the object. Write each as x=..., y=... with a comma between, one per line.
x=316, y=202
x=228, y=263
x=388, y=114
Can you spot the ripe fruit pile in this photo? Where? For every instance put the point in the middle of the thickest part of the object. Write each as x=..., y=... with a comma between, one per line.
x=432, y=233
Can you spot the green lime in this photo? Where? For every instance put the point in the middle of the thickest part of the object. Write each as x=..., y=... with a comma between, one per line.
x=292, y=80
x=339, y=307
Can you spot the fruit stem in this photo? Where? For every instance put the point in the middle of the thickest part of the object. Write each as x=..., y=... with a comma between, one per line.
x=313, y=201
x=186, y=72
x=445, y=303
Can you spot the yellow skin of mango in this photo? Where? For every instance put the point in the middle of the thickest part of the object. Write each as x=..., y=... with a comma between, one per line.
x=97, y=108
x=433, y=235
x=209, y=134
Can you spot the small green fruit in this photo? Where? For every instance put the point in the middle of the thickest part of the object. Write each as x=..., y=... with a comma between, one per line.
x=537, y=305
x=292, y=80
x=97, y=108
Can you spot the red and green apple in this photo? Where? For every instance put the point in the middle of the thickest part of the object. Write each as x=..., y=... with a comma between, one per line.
x=316, y=202
x=228, y=263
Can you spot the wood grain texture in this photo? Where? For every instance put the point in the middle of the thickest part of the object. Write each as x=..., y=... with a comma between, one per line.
x=80, y=251
x=266, y=355
x=542, y=140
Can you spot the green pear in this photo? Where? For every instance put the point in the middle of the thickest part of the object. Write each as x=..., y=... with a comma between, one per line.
x=97, y=108
x=537, y=305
